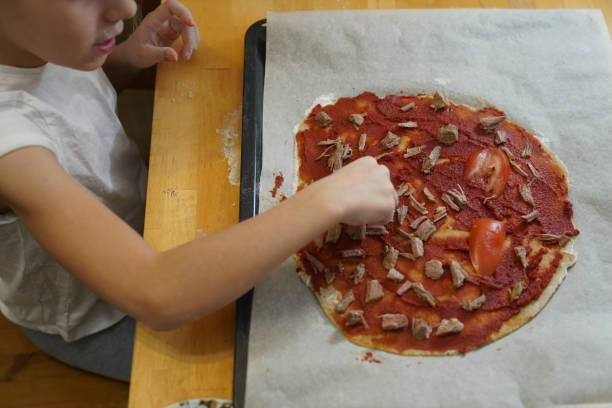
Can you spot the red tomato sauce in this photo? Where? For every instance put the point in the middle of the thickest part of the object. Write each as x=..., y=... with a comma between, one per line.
x=550, y=196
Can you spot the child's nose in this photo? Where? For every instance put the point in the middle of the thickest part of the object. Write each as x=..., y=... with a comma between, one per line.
x=119, y=10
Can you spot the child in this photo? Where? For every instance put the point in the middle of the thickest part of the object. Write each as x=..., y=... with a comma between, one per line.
x=72, y=188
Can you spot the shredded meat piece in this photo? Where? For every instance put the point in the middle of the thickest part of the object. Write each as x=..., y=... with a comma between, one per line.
x=402, y=212
x=425, y=230
x=416, y=246
x=535, y=172
x=448, y=134
x=328, y=142
x=438, y=102
x=354, y=317
x=356, y=232
x=413, y=151
x=525, y=192
x=406, y=286
x=374, y=291
x=335, y=159
x=430, y=197
x=518, y=168
x=447, y=326
x=531, y=216
x=434, y=269
x=526, y=153
x=333, y=234
x=407, y=107
x=358, y=273
x=362, y=142
x=507, y=152
x=449, y=201
x=500, y=137
x=323, y=119
x=390, y=257
x=458, y=274
x=562, y=239
x=489, y=198
x=317, y=265
x=395, y=276
x=421, y=330
x=516, y=291
x=405, y=188
x=404, y=234
x=458, y=196
x=325, y=153
x=380, y=156
x=420, y=207
x=353, y=253
x=489, y=123
x=469, y=305
x=408, y=125
x=430, y=161
x=439, y=213
x=345, y=302
x=521, y=255
x=376, y=230
x=390, y=140
x=423, y=294
x=357, y=119
x=391, y=321
x=417, y=221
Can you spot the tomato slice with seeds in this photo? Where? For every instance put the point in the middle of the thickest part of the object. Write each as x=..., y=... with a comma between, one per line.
x=486, y=241
x=489, y=168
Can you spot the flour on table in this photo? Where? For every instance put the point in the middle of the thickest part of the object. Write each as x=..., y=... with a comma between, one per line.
x=229, y=136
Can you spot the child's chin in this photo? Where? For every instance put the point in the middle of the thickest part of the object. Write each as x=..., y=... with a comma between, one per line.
x=91, y=64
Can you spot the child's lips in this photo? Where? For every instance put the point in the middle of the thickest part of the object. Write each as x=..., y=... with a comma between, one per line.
x=106, y=46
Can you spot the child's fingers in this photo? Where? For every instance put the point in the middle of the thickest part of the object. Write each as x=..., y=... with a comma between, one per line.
x=190, y=34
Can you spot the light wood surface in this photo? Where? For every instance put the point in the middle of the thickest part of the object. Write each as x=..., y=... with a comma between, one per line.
x=197, y=115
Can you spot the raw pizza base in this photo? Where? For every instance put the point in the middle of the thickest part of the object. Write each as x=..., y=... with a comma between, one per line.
x=328, y=297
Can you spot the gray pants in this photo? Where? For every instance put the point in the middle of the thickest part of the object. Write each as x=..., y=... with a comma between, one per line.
x=107, y=353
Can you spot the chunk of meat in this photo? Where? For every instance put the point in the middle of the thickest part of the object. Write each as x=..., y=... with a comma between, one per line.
x=525, y=192
x=376, y=230
x=406, y=286
x=430, y=161
x=317, y=265
x=355, y=317
x=449, y=326
x=526, y=153
x=335, y=159
x=356, y=232
x=416, y=246
x=531, y=216
x=390, y=140
x=428, y=194
x=357, y=119
x=423, y=294
x=449, y=201
x=425, y=230
x=395, y=276
x=489, y=123
x=474, y=304
x=421, y=330
x=448, y=134
x=413, y=151
x=390, y=257
x=407, y=107
x=408, y=125
x=374, y=291
x=402, y=212
x=353, y=253
x=458, y=274
x=439, y=213
x=500, y=137
x=438, y=101
x=458, y=196
x=420, y=207
x=516, y=291
x=521, y=255
x=562, y=239
x=362, y=142
x=358, y=273
x=323, y=119
x=393, y=321
x=345, y=302
x=333, y=234
x=417, y=221
x=434, y=269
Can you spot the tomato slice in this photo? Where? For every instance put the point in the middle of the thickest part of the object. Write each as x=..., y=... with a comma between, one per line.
x=486, y=241
x=489, y=168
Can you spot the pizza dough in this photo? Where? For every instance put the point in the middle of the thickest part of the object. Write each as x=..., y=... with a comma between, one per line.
x=409, y=287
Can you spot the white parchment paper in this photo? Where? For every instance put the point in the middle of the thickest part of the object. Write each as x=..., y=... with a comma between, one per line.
x=550, y=71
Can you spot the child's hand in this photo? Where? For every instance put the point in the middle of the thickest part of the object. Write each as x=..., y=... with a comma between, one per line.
x=152, y=41
x=362, y=191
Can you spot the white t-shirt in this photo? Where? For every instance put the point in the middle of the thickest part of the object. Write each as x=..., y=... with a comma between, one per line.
x=71, y=113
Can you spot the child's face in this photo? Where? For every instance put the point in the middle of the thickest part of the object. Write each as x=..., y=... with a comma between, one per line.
x=74, y=33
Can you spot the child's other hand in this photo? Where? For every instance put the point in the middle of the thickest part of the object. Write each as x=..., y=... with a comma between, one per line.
x=152, y=41
x=363, y=192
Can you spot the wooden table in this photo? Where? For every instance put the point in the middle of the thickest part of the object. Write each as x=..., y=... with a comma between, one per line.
x=194, y=170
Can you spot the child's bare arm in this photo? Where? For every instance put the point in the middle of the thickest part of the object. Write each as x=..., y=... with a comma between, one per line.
x=152, y=43
x=167, y=289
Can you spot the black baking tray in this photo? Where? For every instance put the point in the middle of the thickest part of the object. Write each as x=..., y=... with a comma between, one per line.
x=250, y=172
